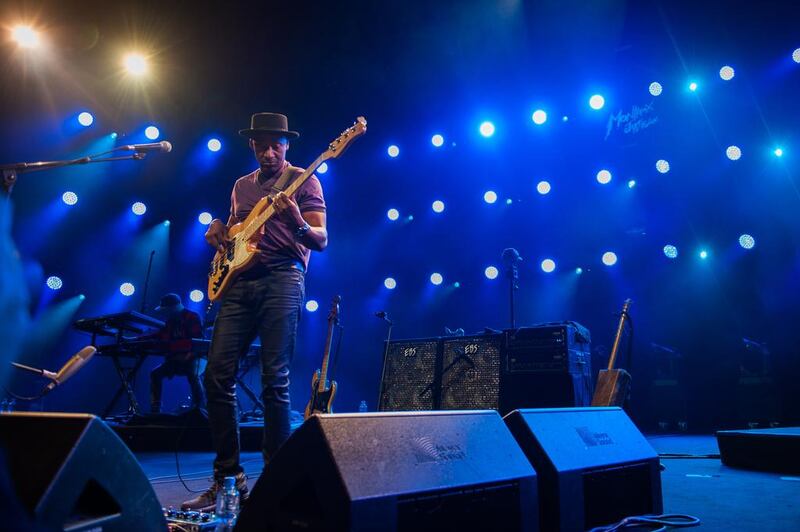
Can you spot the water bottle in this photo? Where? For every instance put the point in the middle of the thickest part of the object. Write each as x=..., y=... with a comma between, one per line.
x=227, y=505
x=362, y=407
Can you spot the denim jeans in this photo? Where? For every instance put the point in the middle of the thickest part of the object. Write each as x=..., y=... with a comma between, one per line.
x=267, y=306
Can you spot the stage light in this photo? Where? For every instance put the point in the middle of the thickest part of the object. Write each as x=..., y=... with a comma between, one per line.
x=70, y=198
x=81, y=297
x=597, y=102
x=25, y=37
x=127, y=289
x=393, y=214
x=703, y=254
x=152, y=132
x=114, y=135
x=609, y=258
x=165, y=223
x=436, y=279
x=726, y=73
x=197, y=296
x=693, y=86
x=631, y=183
x=487, y=129
x=509, y=201
x=323, y=168
x=437, y=140
x=796, y=55
x=390, y=283
x=548, y=265
x=135, y=64
x=205, y=218
x=604, y=177
x=662, y=166
x=437, y=206
x=312, y=305
x=578, y=270
x=543, y=187
x=490, y=196
x=54, y=283
x=565, y=118
x=410, y=217
x=456, y=285
x=214, y=145
x=655, y=88
x=747, y=241
x=733, y=153
x=778, y=152
x=139, y=208
x=393, y=151
x=490, y=272
x=670, y=251
x=85, y=119
x=539, y=117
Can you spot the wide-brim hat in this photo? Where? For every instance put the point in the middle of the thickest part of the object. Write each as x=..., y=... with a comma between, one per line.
x=273, y=123
x=170, y=302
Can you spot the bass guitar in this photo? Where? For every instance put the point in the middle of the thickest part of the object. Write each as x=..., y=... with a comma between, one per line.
x=322, y=390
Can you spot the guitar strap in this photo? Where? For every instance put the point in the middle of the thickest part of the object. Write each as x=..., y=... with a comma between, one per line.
x=286, y=178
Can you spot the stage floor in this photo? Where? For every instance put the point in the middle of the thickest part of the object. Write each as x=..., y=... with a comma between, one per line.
x=722, y=497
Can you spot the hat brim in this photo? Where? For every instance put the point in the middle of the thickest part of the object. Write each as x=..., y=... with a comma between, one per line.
x=251, y=133
x=179, y=306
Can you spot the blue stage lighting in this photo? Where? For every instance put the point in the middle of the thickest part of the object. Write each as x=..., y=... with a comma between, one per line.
x=393, y=151
x=747, y=241
x=437, y=206
x=655, y=88
x=487, y=129
x=166, y=223
x=597, y=102
x=126, y=289
x=390, y=283
x=733, y=153
x=670, y=251
x=436, y=278
x=70, y=198
x=312, y=305
x=703, y=254
x=631, y=183
x=604, y=177
x=778, y=152
x=578, y=270
x=205, y=218
x=662, y=166
x=437, y=140
x=54, y=283
x=565, y=118
x=490, y=272
x=543, y=187
x=456, y=285
x=609, y=258
x=548, y=265
x=214, y=145
x=693, y=86
x=490, y=196
x=152, y=132
x=726, y=73
x=509, y=201
x=196, y=295
x=323, y=168
x=85, y=119
x=796, y=55
x=393, y=214
x=139, y=208
x=539, y=117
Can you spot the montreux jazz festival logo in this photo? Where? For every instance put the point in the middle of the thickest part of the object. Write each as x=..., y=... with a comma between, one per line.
x=635, y=120
x=425, y=450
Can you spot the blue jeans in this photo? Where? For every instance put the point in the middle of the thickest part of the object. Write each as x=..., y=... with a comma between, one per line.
x=267, y=306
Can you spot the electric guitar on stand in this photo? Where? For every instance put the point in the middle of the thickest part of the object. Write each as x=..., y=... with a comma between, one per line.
x=322, y=390
x=613, y=384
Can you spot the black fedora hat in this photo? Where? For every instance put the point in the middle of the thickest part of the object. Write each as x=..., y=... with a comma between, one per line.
x=273, y=123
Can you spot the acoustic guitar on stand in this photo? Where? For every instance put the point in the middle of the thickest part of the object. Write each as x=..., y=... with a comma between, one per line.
x=322, y=390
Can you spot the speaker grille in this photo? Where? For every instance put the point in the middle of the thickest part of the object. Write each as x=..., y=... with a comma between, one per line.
x=471, y=373
x=409, y=376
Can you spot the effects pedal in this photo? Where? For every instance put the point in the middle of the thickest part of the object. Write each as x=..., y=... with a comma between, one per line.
x=180, y=521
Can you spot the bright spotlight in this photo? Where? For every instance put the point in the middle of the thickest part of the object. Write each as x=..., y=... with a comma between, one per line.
x=70, y=198
x=490, y=196
x=655, y=88
x=214, y=145
x=796, y=55
x=604, y=177
x=490, y=272
x=126, y=289
x=703, y=254
x=548, y=265
x=390, y=283
x=437, y=206
x=539, y=117
x=747, y=241
x=437, y=140
x=726, y=73
x=670, y=251
x=631, y=183
x=135, y=64
x=139, y=208
x=152, y=132
x=662, y=166
x=312, y=305
x=197, y=296
x=436, y=278
x=778, y=152
x=85, y=119
x=693, y=86
x=165, y=223
x=205, y=218
x=393, y=151
x=578, y=270
x=54, y=283
x=486, y=129
x=734, y=153
x=393, y=214
x=609, y=258
x=543, y=187
x=597, y=102
x=323, y=168
x=25, y=37
x=509, y=201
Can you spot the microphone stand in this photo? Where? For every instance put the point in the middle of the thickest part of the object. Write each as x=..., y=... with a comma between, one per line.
x=147, y=281
x=511, y=258
x=385, y=318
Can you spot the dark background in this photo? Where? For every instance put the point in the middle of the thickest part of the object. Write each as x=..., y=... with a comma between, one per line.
x=415, y=69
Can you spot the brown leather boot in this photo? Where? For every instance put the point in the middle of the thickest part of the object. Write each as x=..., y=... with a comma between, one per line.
x=207, y=501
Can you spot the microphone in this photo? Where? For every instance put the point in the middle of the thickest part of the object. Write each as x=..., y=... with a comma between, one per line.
x=162, y=146
x=511, y=256
x=72, y=366
x=382, y=314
